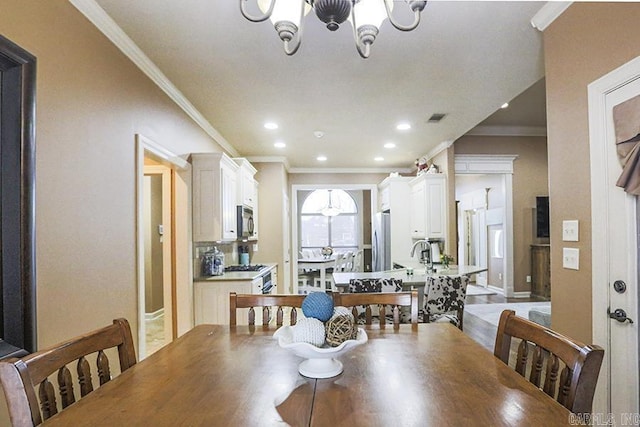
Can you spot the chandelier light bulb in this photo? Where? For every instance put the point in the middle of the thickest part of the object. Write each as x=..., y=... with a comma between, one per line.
x=366, y=17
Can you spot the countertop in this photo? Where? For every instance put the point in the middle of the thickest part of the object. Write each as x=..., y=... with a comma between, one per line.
x=237, y=275
x=418, y=278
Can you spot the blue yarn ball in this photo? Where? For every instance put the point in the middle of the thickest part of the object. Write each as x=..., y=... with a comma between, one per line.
x=318, y=305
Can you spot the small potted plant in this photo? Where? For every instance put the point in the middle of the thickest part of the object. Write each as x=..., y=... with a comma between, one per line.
x=446, y=260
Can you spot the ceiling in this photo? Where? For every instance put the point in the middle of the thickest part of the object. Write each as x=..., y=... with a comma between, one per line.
x=464, y=60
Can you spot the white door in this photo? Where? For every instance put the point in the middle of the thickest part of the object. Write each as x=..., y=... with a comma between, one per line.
x=615, y=251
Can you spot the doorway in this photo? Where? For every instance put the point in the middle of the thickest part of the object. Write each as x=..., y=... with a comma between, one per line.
x=614, y=216
x=158, y=255
x=484, y=189
x=163, y=246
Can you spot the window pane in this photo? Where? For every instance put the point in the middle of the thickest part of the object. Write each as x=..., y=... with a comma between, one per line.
x=343, y=230
x=314, y=231
x=319, y=199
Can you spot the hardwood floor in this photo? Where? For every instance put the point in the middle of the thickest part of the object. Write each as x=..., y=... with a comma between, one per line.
x=483, y=332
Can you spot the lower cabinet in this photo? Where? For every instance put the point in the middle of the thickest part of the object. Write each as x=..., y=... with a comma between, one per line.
x=541, y=271
x=211, y=301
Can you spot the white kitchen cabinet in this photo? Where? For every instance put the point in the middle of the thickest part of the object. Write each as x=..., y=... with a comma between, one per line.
x=417, y=219
x=394, y=194
x=428, y=207
x=246, y=183
x=214, y=197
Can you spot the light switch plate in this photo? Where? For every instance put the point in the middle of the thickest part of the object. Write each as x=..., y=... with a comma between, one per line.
x=570, y=231
x=571, y=258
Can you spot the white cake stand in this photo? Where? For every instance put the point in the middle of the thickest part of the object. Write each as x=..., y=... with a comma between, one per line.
x=320, y=362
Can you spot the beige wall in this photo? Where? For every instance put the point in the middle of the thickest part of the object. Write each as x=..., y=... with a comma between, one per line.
x=336, y=178
x=273, y=197
x=91, y=101
x=583, y=44
x=529, y=180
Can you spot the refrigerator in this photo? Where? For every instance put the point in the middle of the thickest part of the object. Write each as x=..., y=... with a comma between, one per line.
x=381, y=241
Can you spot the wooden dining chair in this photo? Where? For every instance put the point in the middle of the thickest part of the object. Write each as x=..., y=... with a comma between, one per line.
x=267, y=303
x=21, y=377
x=381, y=300
x=444, y=298
x=576, y=384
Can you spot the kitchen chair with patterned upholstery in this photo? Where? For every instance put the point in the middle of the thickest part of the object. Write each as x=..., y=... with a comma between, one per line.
x=366, y=312
x=381, y=300
x=444, y=299
x=20, y=377
x=542, y=352
x=266, y=302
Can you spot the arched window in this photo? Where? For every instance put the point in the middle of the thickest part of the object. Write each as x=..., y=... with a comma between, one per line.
x=329, y=218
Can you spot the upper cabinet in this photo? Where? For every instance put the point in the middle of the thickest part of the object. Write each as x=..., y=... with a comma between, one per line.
x=247, y=186
x=428, y=207
x=215, y=177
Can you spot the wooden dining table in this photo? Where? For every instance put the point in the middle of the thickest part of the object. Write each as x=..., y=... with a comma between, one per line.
x=237, y=376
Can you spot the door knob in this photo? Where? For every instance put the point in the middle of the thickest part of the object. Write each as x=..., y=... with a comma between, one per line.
x=620, y=315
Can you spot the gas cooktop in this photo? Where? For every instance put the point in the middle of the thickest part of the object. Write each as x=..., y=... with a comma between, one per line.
x=251, y=267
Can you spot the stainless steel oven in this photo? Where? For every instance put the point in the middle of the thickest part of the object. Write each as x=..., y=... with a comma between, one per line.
x=264, y=285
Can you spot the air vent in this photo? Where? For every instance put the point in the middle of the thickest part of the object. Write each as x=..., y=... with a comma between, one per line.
x=435, y=118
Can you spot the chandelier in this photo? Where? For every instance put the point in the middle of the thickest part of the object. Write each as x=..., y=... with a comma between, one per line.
x=365, y=17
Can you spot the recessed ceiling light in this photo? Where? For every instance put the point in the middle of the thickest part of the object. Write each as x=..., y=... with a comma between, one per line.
x=321, y=158
x=389, y=145
x=279, y=145
x=505, y=105
x=318, y=134
x=403, y=126
x=271, y=125
x=378, y=159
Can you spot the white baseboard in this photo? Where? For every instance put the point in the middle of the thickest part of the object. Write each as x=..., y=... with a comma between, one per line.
x=155, y=315
x=524, y=294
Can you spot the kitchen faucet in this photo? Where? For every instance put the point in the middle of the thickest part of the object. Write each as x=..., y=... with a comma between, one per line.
x=426, y=247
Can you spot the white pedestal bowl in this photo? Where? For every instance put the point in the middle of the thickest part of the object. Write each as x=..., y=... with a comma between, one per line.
x=320, y=362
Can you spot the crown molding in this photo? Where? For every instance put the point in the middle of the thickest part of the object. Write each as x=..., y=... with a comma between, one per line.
x=98, y=17
x=508, y=131
x=438, y=149
x=270, y=159
x=350, y=170
x=549, y=13
x=484, y=163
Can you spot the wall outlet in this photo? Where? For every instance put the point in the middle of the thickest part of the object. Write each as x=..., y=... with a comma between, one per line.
x=570, y=231
x=571, y=258
x=528, y=279
x=255, y=247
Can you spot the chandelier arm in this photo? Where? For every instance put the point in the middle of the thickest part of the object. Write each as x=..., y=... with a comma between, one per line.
x=292, y=50
x=261, y=18
x=416, y=6
x=364, y=49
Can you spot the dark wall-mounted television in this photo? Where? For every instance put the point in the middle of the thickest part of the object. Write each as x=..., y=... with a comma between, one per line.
x=542, y=217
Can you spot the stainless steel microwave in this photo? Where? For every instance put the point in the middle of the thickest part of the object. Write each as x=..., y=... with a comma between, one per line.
x=245, y=221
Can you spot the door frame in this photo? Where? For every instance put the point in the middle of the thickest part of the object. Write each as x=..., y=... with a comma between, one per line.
x=599, y=145
x=18, y=325
x=496, y=164
x=145, y=147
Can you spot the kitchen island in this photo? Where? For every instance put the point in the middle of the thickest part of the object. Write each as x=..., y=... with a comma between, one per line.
x=416, y=280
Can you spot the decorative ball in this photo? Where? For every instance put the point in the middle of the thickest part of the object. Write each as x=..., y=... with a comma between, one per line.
x=341, y=327
x=318, y=305
x=309, y=330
